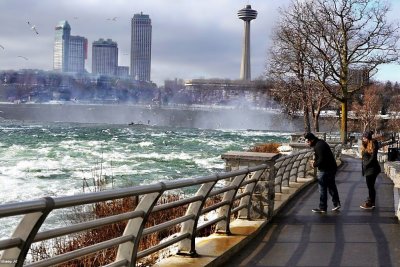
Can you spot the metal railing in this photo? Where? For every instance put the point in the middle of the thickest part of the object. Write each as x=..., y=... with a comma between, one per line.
x=290, y=168
x=234, y=190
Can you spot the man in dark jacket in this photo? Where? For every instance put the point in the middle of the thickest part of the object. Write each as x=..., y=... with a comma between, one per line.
x=325, y=162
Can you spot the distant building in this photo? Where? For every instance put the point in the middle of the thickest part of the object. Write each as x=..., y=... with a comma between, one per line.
x=104, y=57
x=141, y=47
x=221, y=91
x=176, y=84
x=61, y=46
x=77, y=54
x=123, y=71
x=358, y=77
x=70, y=52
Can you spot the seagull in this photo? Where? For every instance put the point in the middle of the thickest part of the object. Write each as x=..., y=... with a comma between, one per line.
x=23, y=57
x=113, y=19
x=33, y=27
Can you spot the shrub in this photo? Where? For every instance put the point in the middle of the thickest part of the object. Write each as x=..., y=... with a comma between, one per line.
x=266, y=148
x=63, y=245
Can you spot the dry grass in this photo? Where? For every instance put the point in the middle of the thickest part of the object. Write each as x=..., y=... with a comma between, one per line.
x=104, y=209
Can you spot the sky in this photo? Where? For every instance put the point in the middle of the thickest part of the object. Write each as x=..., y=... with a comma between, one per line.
x=191, y=38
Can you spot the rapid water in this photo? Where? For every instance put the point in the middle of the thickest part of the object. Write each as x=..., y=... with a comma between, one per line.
x=55, y=159
x=38, y=160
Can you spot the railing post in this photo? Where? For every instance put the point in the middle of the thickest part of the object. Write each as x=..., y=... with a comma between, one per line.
x=288, y=170
x=305, y=166
x=271, y=189
x=296, y=169
x=246, y=200
x=26, y=231
x=264, y=192
x=187, y=246
x=128, y=251
x=225, y=211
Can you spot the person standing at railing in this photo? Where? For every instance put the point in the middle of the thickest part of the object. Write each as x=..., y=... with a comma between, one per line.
x=325, y=161
x=370, y=167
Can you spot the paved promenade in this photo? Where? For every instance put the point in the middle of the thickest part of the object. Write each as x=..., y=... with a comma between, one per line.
x=351, y=237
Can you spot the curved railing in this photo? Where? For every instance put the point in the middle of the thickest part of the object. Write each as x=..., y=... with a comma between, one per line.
x=233, y=193
x=290, y=168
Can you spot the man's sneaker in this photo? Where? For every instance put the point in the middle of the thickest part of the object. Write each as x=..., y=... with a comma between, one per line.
x=318, y=210
x=336, y=207
x=367, y=206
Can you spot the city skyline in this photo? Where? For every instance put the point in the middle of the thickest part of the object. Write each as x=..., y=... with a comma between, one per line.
x=202, y=40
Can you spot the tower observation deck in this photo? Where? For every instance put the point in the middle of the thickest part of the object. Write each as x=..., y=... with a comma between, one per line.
x=246, y=14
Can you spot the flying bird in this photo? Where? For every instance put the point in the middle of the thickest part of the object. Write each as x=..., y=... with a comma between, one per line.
x=2, y=47
x=23, y=57
x=33, y=27
x=113, y=19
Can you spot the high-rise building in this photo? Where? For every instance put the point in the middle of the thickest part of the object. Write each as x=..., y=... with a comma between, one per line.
x=77, y=54
x=104, y=57
x=123, y=71
x=70, y=52
x=61, y=46
x=246, y=14
x=141, y=47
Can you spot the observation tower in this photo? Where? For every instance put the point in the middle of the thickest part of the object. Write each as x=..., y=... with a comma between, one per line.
x=246, y=14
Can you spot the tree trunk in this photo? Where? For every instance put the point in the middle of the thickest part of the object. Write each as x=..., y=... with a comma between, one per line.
x=343, y=123
x=306, y=117
x=316, y=123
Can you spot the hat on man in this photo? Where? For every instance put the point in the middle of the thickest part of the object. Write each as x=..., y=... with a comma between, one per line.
x=368, y=135
x=309, y=136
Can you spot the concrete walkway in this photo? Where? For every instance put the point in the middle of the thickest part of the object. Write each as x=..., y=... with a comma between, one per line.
x=351, y=237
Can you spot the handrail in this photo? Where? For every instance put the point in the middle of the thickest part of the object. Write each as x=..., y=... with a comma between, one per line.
x=234, y=191
x=292, y=166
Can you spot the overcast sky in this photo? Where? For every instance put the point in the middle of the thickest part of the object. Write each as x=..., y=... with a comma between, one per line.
x=191, y=38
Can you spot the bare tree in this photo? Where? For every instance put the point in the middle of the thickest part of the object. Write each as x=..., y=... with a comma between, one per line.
x=350, y=36
x=289, y=66
x=319, y=100
x=394, y=111
x=346, y=35
x=367, y=112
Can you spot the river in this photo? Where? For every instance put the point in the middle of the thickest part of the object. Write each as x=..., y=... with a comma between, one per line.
x=54, y=150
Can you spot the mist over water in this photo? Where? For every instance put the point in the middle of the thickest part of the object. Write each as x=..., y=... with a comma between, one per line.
x=204, y=117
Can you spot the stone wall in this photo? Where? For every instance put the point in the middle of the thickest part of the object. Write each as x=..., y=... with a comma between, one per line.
x=392, y=170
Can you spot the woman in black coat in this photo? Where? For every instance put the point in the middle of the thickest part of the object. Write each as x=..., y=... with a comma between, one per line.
x=370, y=167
